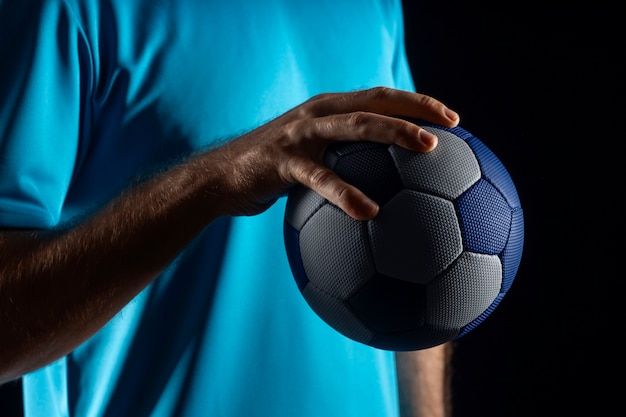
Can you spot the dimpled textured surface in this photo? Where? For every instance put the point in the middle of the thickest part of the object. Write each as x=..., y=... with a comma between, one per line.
x=436, y=261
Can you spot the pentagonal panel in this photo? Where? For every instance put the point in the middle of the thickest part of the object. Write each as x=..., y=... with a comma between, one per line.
x=368, y=166
x=337, y=314
x=447, y=171
x=485, y=219
x=415, y=237
x=334, y=252
x=387, y=304
x=465, y=291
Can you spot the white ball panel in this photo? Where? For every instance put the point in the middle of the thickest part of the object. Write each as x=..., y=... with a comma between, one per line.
x=336, y=314
x=302, y=203
x=334, y=251
x=415, y=237
x=465, y=291
x=446, y=171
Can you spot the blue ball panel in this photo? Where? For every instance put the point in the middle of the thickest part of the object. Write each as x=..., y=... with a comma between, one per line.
x=494, y=172
x=512, y=255
x=485, y=219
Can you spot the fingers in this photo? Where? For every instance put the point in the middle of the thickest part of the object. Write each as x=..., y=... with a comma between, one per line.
x=330, y=186
x=384, y=101
x=366, y=126
x=371, y=115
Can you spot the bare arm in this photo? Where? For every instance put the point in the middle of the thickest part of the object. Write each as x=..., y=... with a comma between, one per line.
x=424, y=382
x=57, y=288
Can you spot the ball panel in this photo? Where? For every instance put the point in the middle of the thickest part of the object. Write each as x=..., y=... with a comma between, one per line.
x=422, y=338
x=494, y=171
x=447, y=171
x=301, y=205
x=369, y=167
x=387, y=304
x=485, y=219
x=465, y=291
x=512, y=255
x=334, y=252
x=337, y=314
x=338, y=150
x=425, y=234
x=292, y=246
x=474, y=323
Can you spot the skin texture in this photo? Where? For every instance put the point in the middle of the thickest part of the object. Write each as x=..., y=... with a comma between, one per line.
x=424, y=379
x=58, y=287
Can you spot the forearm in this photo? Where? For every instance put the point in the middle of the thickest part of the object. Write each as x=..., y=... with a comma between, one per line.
x=424, y=379
x=59, y=287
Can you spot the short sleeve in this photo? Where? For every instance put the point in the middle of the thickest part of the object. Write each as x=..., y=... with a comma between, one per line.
x=40, y=110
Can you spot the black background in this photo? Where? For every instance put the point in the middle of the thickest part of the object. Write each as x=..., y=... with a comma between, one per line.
x=543, y=87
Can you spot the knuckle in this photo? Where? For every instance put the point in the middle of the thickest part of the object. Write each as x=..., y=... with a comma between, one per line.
x=288, y=134
x=380, y=93
x=320, y=97
x=358, y=119
x=342, y=194
x=427, y=101
x=305, y=111
x=316, y=106
x=319, y=178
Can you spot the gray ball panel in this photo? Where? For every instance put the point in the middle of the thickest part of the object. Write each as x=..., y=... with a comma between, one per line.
x=301, y=204
x=446, y=171
x=335, y=252
x=465, y=291
x=415, y=237
x=336, y=314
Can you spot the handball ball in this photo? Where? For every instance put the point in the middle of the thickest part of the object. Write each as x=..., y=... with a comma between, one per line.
x=434, y=263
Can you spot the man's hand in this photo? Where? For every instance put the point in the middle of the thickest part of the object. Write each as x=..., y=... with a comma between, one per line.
x=58, y=287
x=290, y=149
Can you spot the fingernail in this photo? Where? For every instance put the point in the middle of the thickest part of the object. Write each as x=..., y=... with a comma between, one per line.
x=452, y=115
x=427, y=138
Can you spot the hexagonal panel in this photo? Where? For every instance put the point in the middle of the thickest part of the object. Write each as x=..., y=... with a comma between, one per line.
x=447, y=171
x=335, y=252
x=301, y=204
x=465, y=291
x=415, y=237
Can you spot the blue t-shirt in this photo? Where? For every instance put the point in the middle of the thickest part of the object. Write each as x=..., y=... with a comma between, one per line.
x=93, y=94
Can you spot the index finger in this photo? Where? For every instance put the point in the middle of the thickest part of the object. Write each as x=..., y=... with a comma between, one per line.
x=385, y=101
